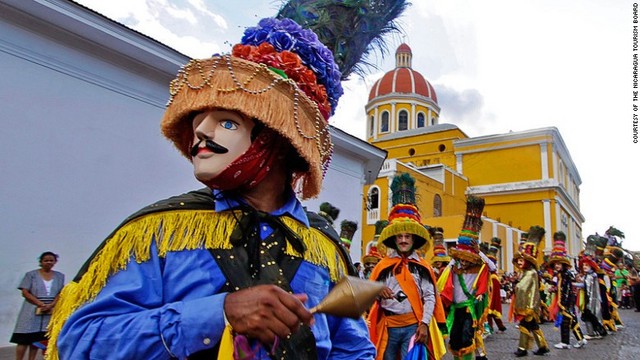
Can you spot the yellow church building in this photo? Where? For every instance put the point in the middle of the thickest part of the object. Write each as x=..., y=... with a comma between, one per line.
x=526, y=178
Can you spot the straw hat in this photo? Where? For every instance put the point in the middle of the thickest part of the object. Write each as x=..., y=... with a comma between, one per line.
x=281, y=75
x=529, y=249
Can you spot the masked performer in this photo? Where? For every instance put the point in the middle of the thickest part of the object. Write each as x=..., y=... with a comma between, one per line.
x=565, y=299
x=495, y=306
x=410, y=305
x=464, y=287
x=527, y=295
x=232, y=268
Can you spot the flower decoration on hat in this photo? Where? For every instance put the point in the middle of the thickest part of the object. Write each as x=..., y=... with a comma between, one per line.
x=559, y=250
x=404, y=216
x=347, y=229
x=529, y=249
x=467, y=246
x=440, y=253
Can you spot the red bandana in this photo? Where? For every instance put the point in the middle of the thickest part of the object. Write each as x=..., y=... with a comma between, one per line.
x=250, y=168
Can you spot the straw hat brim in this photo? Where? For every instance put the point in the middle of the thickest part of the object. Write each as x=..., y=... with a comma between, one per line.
x=437, y=259
x=252, y=89
x=530, y=259
x=465, y=255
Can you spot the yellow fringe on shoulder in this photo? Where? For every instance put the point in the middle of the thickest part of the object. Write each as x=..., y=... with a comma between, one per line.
x=174, y=231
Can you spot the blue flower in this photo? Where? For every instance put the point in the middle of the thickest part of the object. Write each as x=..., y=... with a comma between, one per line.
x=281, y=40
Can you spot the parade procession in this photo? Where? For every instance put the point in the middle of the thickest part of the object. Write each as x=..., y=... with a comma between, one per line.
x=302, y=242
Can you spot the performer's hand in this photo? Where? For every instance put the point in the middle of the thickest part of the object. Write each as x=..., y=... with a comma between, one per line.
x=265, y=312
x=386, y=293
x=421, y=333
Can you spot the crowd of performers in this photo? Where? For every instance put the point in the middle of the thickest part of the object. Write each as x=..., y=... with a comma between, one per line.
x=581, y=296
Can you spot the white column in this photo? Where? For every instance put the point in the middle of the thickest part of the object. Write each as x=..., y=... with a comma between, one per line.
x=413, y=121
x=392, y=118
x=509, y=247
x=376, y=123
x=544, y=160
x=546, y=206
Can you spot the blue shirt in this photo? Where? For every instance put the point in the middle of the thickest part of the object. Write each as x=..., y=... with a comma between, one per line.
x=173, y=306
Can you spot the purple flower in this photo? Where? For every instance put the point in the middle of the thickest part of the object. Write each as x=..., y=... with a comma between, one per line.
x=268, y=23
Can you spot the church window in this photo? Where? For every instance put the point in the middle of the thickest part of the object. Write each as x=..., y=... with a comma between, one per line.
x=420, y=120
x=371, y=124
x=437, y=206
x=384, y=123
x=403, y=120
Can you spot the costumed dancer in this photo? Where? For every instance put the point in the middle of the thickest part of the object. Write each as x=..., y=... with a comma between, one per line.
x=526, y=303
x=347, y=229
x=604, y=282
x=464, y=287
x=565, y=299
x=410, y=305
x=495, y=306
x=612, y=256
x=591, y=313
x=440, y=258
x=234, y=267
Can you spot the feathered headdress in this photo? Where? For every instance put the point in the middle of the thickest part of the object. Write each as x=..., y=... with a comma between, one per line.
x=285, y=75
x=612, y=234
x=559, y=250
x=529, y=249
x=329, y=212
x=590, y=253
x=404, y=216
x=467, y=247
x=352, y=30
x=347, y=229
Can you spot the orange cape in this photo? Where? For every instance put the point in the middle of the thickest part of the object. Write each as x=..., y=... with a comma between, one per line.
x=377, y=322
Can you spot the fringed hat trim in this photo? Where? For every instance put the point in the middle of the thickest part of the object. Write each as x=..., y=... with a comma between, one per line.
x=445, y=259
x=467, y=255
x=231, y=83
x=178, y=230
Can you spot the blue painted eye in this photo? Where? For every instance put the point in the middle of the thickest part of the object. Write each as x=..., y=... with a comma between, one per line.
x=229, y=125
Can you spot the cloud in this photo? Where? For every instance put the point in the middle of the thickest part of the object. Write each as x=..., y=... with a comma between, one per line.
x=464, y=108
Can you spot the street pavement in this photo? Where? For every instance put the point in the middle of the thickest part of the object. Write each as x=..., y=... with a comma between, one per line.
x=624, y=344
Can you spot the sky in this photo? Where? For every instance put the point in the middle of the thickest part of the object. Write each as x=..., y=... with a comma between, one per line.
x=497, y=66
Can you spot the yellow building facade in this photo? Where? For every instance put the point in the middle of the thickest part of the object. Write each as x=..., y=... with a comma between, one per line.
x=526, y=178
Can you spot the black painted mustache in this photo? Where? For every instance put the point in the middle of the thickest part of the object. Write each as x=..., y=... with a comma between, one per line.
x=211, y=145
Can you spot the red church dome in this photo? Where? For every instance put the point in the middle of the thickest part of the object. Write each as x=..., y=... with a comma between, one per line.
x=403, y=79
